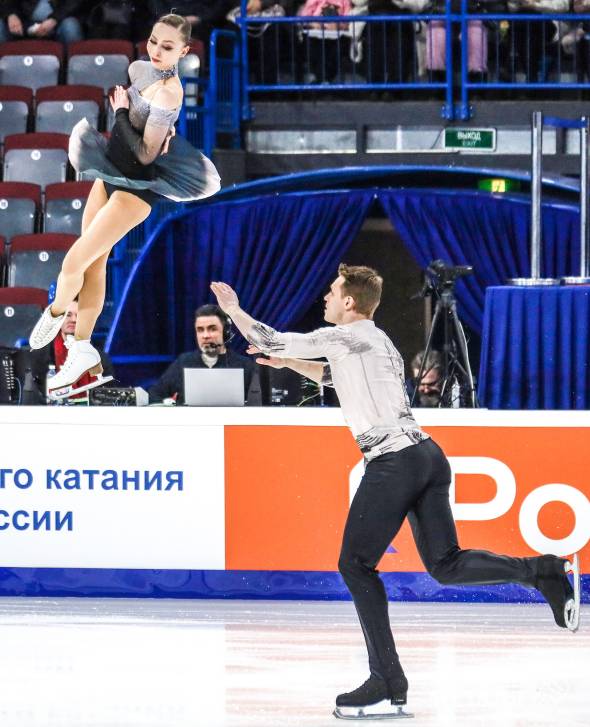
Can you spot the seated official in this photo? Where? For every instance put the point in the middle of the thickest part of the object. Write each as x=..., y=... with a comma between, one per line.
x=56, y=352
x=429, y=387
x=213, y=332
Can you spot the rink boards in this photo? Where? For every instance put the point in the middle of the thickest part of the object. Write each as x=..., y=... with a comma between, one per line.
x=252, y=502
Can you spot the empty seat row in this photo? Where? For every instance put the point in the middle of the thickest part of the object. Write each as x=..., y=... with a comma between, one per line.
x=103, y=63
x=21, y=211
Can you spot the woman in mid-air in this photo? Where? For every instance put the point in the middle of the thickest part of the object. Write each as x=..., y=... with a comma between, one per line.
x=143, y=161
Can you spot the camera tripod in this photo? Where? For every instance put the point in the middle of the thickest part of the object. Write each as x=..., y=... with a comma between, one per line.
x=457, y=379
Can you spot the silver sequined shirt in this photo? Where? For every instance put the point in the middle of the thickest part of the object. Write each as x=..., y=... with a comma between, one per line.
x=367, y=372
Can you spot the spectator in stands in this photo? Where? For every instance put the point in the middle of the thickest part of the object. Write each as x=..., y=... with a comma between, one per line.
x=428, y=388
x=112, y=19
x=213, y=333
x=574, y=39
x=273, y=55
x=536, y=43
x=477, y=38
x=331, y=48
x=42, y=19
x=390, y=47
x=55, y=353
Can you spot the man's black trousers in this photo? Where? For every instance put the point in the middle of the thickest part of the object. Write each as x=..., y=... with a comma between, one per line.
x=413, y=482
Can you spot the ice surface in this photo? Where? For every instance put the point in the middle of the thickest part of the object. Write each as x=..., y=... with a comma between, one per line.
x=180, y=663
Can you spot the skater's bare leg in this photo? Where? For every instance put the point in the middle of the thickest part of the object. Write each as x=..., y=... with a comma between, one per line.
x=112, y=221
x=95, y=202
x=91, y=297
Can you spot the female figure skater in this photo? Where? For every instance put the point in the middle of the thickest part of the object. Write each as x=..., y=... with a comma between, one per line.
x=142, y=162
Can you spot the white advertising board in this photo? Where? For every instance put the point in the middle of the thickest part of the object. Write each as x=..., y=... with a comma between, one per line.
x=86, y=495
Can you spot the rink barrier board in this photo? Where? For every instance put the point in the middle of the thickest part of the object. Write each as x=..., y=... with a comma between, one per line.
x=255, y=585
x=282, y=498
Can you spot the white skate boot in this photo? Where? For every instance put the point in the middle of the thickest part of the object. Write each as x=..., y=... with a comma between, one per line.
x=46, y=329
x=82, y=358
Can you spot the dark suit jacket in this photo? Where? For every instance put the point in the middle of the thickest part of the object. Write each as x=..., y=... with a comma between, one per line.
x=172, y=380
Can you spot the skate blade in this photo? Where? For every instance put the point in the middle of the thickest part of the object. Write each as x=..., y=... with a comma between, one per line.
x=372, y=712
x=67, y=391
x=572, y=607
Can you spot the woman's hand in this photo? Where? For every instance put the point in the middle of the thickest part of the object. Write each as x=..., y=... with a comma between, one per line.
x=119, y=99
x=227, y=297
x=167, y=140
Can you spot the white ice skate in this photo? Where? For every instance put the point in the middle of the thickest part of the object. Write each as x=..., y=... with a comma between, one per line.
x=82, y=358
x=572, y=607
x=46, y=329
x=374, y=700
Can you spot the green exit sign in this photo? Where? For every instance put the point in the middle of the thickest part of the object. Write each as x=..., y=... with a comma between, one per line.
x=470, y=139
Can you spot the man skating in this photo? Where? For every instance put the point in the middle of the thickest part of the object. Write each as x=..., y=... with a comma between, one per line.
x=406, y=474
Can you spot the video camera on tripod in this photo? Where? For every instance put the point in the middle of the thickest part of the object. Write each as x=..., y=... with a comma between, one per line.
x=443, y=275
x=456, y=373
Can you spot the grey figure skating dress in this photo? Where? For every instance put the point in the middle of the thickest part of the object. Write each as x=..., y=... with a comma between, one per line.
x=183, y=174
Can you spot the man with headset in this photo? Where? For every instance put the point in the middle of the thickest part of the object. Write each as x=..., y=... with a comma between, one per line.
x=213, y=333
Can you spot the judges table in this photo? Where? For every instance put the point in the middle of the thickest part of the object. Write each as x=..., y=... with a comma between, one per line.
x=252, y=502
x=536, y=348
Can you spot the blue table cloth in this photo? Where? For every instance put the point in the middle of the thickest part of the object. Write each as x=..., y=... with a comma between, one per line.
x=535, y=348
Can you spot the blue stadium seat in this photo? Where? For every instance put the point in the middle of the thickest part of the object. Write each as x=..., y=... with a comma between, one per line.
x=59, y=108
x=36, y=158
x=35, y=260
x=101, y=63
x=15, y=106
x=19, y=205
x=30, y=63
x=19, y=310
x=64, y=206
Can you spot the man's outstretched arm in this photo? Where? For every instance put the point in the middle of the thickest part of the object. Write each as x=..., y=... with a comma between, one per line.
x=328, y=342
x=314, y=370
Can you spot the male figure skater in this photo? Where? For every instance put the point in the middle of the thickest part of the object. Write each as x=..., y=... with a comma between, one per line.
x=406, y=474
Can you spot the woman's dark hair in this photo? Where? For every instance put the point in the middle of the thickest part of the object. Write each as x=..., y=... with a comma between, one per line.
x=181, y=24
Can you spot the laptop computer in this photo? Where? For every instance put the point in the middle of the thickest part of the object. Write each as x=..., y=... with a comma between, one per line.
x=214, y=387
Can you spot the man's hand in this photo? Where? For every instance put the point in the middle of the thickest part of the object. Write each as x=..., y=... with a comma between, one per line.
x=46, y=28
x=15, y=25
x=274, y=361
x=227, y=297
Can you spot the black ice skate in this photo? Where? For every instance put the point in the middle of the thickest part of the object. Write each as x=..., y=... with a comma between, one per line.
x=553, y=582
x=375, y=699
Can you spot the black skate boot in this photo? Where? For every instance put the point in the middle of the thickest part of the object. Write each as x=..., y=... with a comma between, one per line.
x=554, y=584
x=375, y=699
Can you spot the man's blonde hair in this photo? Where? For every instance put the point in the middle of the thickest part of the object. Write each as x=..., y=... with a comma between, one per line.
x=364, y=285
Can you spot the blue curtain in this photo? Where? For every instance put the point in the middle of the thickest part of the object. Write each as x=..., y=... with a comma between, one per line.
x=278, y=252
x=489, y=232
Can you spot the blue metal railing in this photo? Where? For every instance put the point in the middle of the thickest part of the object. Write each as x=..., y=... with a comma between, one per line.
x=527, y=51
x=299, y=47
x=516, y=51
